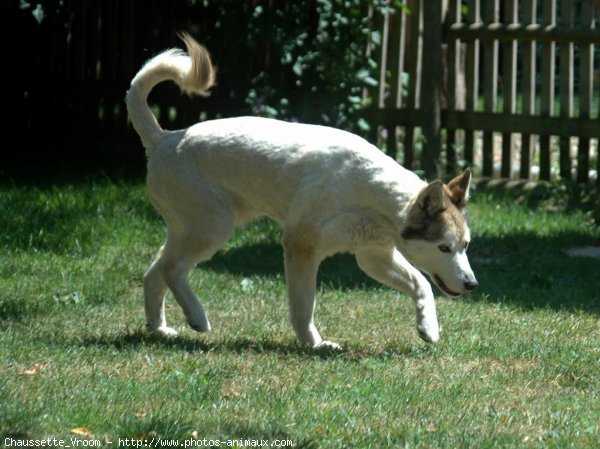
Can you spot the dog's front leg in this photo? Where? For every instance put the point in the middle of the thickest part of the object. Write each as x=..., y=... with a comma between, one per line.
x=389, y=267
x=301, y=274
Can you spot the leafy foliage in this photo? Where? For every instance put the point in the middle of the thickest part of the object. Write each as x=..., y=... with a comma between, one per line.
x=305, y=60
x=312, y=56
x=323, y=58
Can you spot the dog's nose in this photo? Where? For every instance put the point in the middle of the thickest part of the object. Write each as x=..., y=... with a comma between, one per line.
x=470, y=285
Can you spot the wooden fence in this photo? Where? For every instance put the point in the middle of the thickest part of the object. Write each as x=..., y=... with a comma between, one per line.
x=505, y=85
x=73, y=61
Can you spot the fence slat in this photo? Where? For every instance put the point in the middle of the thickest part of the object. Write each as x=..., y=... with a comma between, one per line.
x=547, y=100
x=472, y=77
x=490, y=87
x=79, y=38
x=395, y=67
x=529, y=53
x=414, y=75
x=383, y=61
x=376, y=20
x=432, y=71
x=454, y=69
x=128, y=42
x=509, y=79
x=384, y=55
x=586, y=91
x=400, y=87
x=566, y=87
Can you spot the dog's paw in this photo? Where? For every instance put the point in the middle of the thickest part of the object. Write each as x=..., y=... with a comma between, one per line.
x=163, y=331
x=327, y=346
x=203, y=326
x=429, y=333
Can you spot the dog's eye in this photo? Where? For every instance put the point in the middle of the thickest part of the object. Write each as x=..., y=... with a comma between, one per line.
x=444, y=248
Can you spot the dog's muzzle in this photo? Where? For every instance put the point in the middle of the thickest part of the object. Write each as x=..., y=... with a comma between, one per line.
x=471, y=284
x=468, y=284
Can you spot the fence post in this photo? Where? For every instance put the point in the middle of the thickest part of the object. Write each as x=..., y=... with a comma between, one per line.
x=432, y=77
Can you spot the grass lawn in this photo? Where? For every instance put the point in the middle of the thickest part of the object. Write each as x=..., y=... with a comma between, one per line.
x=517, y=366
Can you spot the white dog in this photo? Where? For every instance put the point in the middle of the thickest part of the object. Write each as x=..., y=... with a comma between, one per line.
x=330, y=190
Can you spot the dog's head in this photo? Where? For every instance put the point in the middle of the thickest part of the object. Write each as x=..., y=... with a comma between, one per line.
x=436, y=235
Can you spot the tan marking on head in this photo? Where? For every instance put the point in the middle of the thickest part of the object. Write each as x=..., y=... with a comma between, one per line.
x=438, y=209
x=455, y=222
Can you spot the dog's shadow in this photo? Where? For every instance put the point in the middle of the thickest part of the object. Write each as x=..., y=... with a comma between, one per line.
x=195, y=344
x=198, y=345
x=266, y=260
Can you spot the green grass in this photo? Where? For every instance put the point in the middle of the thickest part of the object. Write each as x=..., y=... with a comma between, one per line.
x=518, y=364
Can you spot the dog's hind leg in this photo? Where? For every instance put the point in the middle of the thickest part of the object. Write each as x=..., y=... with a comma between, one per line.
x=389, y=267
x=155, y=289
x=182, y=251
x=180, y=255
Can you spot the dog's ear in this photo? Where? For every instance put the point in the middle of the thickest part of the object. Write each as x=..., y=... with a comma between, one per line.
x=431, y=199
x=458, y=189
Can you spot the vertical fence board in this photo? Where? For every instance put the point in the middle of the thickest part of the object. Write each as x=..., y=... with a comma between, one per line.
x=414, y=75
x=566, y=87
x=529, y=69
x=454, y=66
x=394, y=55
x=432, y=76
x=128, y=33
x=400, y=87
x=548, y=78
x=490, y=84
x=383, y=60
x=367, y=93
x=111, y=27
x=95, y=51
x=472, y=75
x=509, y=82
x=79, y=38
x=586, y=90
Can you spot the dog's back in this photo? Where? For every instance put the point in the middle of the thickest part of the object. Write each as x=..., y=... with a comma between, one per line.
x=264, y=165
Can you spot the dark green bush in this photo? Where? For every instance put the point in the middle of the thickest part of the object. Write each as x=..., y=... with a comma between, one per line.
x=308, y=58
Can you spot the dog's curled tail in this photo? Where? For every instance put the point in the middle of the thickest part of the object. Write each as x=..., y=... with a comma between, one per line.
x=192, y=72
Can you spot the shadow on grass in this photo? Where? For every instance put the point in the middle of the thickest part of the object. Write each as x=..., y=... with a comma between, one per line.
x=244, y=345
x=534, y=272
x=522, y=269
x=197, y=344
x=12, y=309
x=337, y=272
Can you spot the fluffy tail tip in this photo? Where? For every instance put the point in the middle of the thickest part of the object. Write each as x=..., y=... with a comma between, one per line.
x=202, y=74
